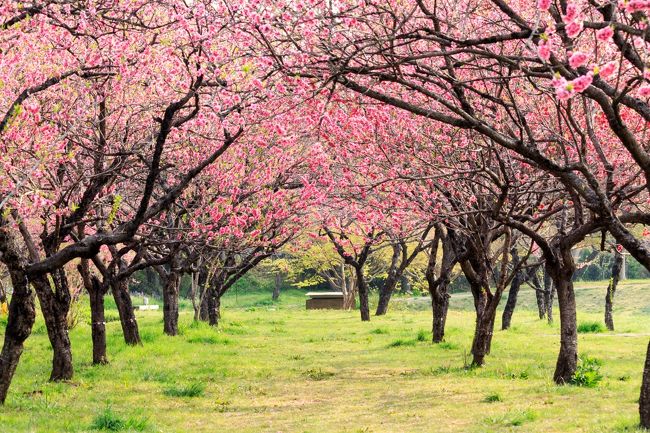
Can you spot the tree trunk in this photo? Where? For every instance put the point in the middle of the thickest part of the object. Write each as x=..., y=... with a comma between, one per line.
x=549, y=291
x=482, y=342
x=278, y=285
x=363, y=295
x=55, y=307
x=611, y=290
x=22, y=313
x=204, y=312
x=540, y=294
x=214, y=308
x=98, y=323
x=440, y=307
x=129, y=324
x=511, y=303
x=644, y=399
x=385, y=293
x=170, y=303
x=568, y=357
x=485, y=305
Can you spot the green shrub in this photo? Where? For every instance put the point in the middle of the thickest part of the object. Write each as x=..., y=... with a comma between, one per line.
x=401, y=342
x=379, y=331
x=492, y=398
x=192, y=390
x=590, y=328
x=587, y=373
x=422, y=335
x=110, y=421
x=445, y=345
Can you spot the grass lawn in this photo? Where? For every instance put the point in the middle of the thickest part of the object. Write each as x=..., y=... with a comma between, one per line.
x=278, y=368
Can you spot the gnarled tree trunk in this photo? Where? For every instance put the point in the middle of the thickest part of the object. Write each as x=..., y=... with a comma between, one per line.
x=96, y=292
x=386, y=290
x=22, y=310
x=549, y=291
x=611, y=290
x=511, y=303
x=278, y=285
x=567, y=361
x=170, y=303
x=55, y=306
x=124, y=305
x=644, y=399
x=362, y=287
x=214, y=307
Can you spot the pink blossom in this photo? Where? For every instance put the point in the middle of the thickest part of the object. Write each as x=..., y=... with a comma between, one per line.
x=571, y=12
x=544, y=52
x=543, y=5
x=564, y=93
x=619, y=248
x=581, y=83
x=573, y=28
x=558, y=81
x=644, y=91
x=577, y=59
x=607, y=70
x=637, y=5
x=605, y=34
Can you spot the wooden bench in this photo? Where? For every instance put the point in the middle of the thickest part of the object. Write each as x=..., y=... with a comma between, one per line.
x=325, y=300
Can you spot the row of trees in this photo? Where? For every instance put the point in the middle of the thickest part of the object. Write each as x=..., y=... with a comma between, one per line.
x=202, y=137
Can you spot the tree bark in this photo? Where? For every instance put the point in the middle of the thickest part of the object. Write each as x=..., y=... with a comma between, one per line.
x=22, y=314
x=98, y=323
x=362, y=286
x=611, y=290
x=386, y=290
x=385, y=293
x=483, y=332
x=96, y=292
x=129, y=324
x=440, y=307
x=549, y=291
x=55, y=306
x=277, y=287
x=214, y=308
x=540, y=296
x=170, y=303
x=644, y=399
x=562, y=280
x=511, y=303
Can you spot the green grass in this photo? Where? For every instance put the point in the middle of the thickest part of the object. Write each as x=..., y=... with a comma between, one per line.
x=278, y=367
x=191, y=390
x=108, y=420
x=590, y=328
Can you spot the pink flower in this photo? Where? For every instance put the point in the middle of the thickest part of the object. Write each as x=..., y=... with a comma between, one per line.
x=637, y=5
x=571, y=12
x=577, y=59
x=543, y=5
x=544, y=52
x=581, y=83
x=619, y=248
x=644, y=91
x=607, y=70
x=573, y=28
x=558, y=81
x=605, y=34
x=564, y=93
